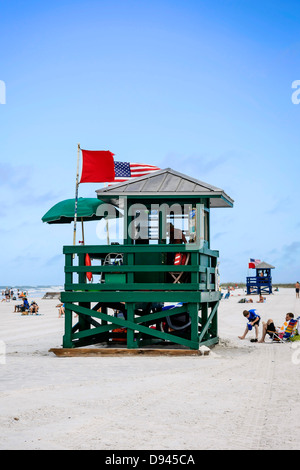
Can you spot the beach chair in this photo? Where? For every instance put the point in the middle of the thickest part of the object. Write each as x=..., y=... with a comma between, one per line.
x=113, y=259
x=181, y=259
x=291, y=329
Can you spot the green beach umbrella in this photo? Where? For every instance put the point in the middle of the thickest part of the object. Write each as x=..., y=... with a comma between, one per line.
x=63, y=211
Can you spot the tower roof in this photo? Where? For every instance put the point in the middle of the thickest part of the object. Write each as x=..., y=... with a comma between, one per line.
x=167, y=182
x=264, y=265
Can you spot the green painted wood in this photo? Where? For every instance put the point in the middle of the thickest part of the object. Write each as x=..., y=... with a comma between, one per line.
x=137, y=286
x=193, y=310
x=159, y=296
x=133, y=269
x=130, y=330
x=129, y=324
x=208, y=322
x=104, y=249
x=67, y=338
x=68, y=264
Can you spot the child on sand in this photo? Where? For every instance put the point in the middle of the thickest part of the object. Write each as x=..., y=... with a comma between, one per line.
x=253, y=320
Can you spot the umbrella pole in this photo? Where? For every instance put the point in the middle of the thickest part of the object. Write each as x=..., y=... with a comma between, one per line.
x=107, y=227
x=107, y=232
x=76, y=195
x=82, y=230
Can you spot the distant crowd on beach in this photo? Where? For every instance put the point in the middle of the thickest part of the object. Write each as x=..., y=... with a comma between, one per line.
x=25, y=308
x=8, y=294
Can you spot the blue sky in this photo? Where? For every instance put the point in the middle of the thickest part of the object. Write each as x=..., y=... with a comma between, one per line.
x=203, y=87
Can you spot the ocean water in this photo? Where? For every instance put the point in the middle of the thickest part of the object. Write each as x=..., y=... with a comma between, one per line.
x=33, y=292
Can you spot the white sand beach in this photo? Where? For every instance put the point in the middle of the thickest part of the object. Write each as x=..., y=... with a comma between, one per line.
x=243, y=395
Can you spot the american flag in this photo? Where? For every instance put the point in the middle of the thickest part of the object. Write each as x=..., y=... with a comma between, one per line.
x=125, y=170
x=253, y=262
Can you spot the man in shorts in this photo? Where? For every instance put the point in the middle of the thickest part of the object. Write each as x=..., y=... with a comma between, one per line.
x=270, y=328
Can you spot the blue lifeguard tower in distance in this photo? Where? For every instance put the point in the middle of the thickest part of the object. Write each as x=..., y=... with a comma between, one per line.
x=262, y=282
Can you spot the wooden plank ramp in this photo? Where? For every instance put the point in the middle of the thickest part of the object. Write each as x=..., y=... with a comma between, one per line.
x=89, y=352
x=52, y=295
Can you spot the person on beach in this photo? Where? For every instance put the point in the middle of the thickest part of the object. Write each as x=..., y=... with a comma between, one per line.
x=253, y=320
x=176, y=235
x=270, y=328
x=34, y=308
x=61, y=310
x=22, y=307
x=261, y=299
x=25, y=307
x=7, y=294
x=297, y=286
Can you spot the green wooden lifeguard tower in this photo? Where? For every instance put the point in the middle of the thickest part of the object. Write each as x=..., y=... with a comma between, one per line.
x=138, y=296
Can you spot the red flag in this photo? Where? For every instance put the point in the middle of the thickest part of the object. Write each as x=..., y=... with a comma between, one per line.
x=253, y=263
x=97, y=166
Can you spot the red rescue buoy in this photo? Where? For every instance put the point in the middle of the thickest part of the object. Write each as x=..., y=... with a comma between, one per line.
x=88, y=263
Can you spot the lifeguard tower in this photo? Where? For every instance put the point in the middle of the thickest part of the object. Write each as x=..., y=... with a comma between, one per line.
x=262, y=282
x=157, y=287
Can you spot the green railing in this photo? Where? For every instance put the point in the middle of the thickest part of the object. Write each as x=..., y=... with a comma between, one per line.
x=144, y=267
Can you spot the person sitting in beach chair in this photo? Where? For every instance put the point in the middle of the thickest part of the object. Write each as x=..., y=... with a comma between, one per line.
x=279, y=334
x=18, y=308
x=291, y=329
x=25, y=308
x=253, y=321
x=34, y=308
x=22, y=307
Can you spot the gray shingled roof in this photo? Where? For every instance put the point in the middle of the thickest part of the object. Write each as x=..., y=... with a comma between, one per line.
x=167, y=183
x=264, y=265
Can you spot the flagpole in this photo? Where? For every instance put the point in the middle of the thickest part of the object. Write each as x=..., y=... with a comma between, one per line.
x=107, y=226
x=76, y=194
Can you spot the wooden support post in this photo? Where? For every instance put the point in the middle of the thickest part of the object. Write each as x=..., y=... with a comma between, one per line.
x=204, y=316
x=214, y=326
x=68, y=263
x=193, y=312
x=194, y=262
x=67, y=338
x=130, y=332
x=83, y=323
